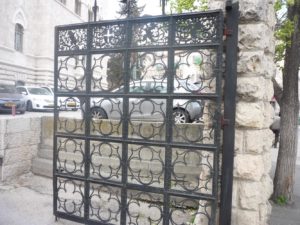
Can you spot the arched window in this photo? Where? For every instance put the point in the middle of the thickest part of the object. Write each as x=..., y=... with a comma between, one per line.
x=19, y=30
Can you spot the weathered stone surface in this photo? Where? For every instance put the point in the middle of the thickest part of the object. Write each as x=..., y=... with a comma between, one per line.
x=14, y=125
x=269, y=90
x=216, y=4
x=250, y=115
x=246, y=217
x=251, y=88
x=258, y=141
x=255, y=37
x=253, y=10
x=14, y=170
x=18, y=155
x=254, y=63
x=248, y=167
x=264, y=213
x=239, y=141
x=22, y=139
x=249, y=196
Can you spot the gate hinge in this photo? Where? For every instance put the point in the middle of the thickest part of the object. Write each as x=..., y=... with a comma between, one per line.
x=227, y=32
x=224, y=122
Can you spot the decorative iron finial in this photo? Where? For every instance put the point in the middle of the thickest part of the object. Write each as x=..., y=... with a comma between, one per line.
x=95, y=10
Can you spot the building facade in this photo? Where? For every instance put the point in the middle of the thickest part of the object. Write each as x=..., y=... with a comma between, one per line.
x=27, y=37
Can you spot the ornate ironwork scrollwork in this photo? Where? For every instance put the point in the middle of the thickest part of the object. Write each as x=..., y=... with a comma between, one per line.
x=147, y=118
x=70, y=197
x=150, y=34
x=75, y=39
x=105, y=204
x=197, y=30
x=106, y=160
x=71, y=73
x=185, y=163
x=144, y=208
x=70, y=156
x=138, y=159
x=110, y=36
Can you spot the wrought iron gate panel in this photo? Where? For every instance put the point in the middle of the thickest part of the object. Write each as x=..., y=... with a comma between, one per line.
x=143, y=146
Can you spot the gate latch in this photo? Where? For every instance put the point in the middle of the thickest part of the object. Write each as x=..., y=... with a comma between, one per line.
x=224, y=122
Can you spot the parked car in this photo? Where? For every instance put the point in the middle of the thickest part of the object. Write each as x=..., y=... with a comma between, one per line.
x=10, y=98
x=65, y=103
x=36, y=98
x=184, y=111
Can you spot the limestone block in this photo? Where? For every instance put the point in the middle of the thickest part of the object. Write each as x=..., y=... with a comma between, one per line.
x=264, y=213
x=47, y=127
x=256, y=37
x=258, y=141
x=268, y=114
x=35, y=123
x=13, y=140
x=216, y=4
x=254, y=10
x=267, y=156
x=246, y=217
x=269, y=90
x=250, y=115
x=14, y=170
x=235, y=193
x=18, y=155
x=254, y=63
x=2, y=126
x=239, y=141
x=14, y=125
x=251, y=88
x=248, y=167
x=249, y=197
x=253, y=194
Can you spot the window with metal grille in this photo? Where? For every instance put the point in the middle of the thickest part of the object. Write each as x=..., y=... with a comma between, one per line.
x=19, y=31
x=78, y=7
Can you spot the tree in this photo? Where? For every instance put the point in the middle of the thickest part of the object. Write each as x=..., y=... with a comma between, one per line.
x=288, y=49
x=130, y=9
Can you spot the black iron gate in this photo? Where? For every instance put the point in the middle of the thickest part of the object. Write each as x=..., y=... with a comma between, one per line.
x=138, y=120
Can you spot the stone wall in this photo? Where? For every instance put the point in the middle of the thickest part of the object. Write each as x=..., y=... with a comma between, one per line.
x=19, y=143
x=252, y=185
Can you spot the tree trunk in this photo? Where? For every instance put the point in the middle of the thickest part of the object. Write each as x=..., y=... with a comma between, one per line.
x=285, y=170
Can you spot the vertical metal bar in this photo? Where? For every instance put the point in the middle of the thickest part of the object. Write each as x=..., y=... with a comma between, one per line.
x=56, y=45
x=163, y=7
x=95, y=9
x=229, y=113
x=125, y=121
x=169, y=122
x=87, y=117
x=218, y=74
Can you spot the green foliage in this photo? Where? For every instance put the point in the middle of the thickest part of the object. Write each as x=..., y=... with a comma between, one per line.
x=181, y=6
x=283, y=35
x=281, y=200
x=284, y=28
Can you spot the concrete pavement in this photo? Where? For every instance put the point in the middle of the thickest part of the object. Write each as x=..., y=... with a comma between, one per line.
x=28, y=201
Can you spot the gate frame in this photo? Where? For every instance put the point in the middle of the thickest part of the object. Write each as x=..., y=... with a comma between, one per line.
x=228, y=120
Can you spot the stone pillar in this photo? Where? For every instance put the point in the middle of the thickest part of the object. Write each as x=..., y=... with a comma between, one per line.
x=252, y=185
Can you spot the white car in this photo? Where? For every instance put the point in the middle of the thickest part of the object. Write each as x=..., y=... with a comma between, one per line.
x=36, y=98
x=65, y=103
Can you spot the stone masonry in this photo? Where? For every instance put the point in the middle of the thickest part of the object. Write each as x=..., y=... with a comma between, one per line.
x=252, y=185
x=19, y=143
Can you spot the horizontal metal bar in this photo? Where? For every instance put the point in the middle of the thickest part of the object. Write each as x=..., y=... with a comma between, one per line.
x=212, y=96
x=200, y=147
x=69, y=217
x=210, y=13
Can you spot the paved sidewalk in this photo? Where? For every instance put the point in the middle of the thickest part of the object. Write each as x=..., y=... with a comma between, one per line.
x=28, y=201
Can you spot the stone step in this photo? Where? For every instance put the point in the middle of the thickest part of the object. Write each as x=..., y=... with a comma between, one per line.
x=42, y=167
